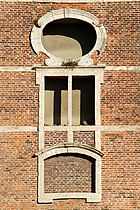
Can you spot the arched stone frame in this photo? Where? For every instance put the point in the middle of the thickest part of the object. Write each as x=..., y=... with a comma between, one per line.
x=68, y=149
x=68, y=13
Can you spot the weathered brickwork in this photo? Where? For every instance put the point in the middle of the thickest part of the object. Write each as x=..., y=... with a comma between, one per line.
x=55, y=137
x=84, y=137
x=19, y=99
x=120, y=170
x=121, y=20
x=120, y=98
x=65, y=173
x=19, y=106
x=18, y=170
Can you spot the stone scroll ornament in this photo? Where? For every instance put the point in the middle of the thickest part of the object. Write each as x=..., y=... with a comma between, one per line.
x=88, y=59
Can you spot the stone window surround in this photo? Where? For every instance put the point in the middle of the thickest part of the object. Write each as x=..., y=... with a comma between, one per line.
x=96, y=71
x=68, y=13
x=75, y=149
x=43, y=153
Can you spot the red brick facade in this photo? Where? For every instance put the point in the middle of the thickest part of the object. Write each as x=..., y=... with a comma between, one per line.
x=19, y=106
x=55, y=137
x=19, y=99
x=121, y=21
x=120, y=98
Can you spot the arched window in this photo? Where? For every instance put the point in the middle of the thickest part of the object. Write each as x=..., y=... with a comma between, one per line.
x=64, y=170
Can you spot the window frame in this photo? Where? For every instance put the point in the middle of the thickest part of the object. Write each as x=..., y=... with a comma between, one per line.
x=41, y=72
x=52, y=60
x=48, y=153
x=70, y=146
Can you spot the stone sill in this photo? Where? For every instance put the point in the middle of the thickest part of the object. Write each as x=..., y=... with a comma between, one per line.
x=49, y=197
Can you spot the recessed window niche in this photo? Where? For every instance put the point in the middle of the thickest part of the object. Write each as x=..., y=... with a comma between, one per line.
x=67, y=173
x=70, y=171
x=67, y=97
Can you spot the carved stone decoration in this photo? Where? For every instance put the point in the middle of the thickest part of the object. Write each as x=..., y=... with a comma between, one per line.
x=68, y=14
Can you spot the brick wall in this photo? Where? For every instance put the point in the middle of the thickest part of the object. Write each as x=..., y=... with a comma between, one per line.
x=68, y=173
x=53, y=138
x=121, y=20
x=18, y=170
x=120, y=171
x=120, y=98
x=119, y=165
x=84, y=137
x=19, y=99
x=119, y=106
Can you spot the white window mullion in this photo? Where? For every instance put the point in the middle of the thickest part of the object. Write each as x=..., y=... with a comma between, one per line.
x=41, y=113
x=70, y=131
x=97, y=101
x=70, y=100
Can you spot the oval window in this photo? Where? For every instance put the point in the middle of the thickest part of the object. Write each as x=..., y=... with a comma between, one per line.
x=68, y=38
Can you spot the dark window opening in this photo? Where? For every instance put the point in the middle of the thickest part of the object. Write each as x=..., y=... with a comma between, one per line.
x=86, y=85
x=54, y=87
x=56, y=100
x=68, y=38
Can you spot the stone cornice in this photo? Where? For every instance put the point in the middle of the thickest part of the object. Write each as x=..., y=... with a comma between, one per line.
x=31, y=68
x=70, y=1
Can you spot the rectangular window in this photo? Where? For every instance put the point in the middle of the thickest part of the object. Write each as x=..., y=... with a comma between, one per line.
x=82, y=100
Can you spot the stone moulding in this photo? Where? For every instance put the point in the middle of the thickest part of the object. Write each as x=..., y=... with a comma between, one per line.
x=69, y=149
x=32, y=68
x=68, y=146
x=68, y=13
x=41, y=72
x=70, y=1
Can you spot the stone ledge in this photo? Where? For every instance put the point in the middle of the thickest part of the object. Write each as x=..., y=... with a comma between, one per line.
x=69, y=1
x=49, y=197
x=32, y=68
x=18, y=129
x=118, y=128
